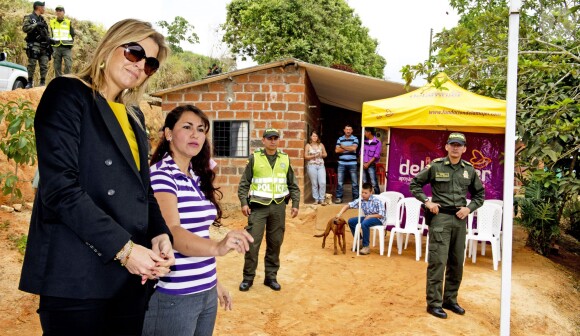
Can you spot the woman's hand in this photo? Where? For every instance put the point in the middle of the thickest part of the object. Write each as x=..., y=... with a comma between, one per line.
x=161, y=245
x=238, y=240
x=142, y=261
x=224, y=297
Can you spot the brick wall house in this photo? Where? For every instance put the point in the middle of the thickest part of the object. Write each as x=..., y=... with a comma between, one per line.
x=243, y=103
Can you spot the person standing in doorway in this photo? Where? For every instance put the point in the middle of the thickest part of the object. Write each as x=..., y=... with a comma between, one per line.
x=314, y=153
x=37, y=39
x=62, y=37
x=267, y=184
x=346, y=147
x=372, y=155
x=446, y=214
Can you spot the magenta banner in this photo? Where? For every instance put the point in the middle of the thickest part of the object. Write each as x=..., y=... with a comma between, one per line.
x=411, y=150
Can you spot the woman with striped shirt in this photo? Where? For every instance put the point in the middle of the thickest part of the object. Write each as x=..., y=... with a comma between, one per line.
x=185, y=301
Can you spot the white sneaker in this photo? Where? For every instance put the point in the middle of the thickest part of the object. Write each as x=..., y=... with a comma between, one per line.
x=365, y=250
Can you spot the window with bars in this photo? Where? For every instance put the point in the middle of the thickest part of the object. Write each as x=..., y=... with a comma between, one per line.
x=231, y=138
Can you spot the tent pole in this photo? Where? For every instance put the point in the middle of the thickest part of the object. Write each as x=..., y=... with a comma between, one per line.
x=387, y=158
x=509, y=163
x=360, y=176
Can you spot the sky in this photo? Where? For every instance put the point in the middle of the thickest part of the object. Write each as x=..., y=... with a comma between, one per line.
x=401, y=27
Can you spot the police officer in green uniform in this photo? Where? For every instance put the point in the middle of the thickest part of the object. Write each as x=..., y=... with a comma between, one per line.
x=450, y=179
x=265, y=187
x=62, y=38
x=38, y=47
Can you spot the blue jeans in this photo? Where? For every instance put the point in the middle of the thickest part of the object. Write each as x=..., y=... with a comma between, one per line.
x=372, y=172
x=180, y=315
x=342, y=169
x=317, y=175
x=365, y=226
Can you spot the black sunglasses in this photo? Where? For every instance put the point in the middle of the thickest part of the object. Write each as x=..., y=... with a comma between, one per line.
x=134, y=52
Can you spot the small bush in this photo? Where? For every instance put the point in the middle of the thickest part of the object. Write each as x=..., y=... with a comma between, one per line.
x=537, y=211
x=19, y=242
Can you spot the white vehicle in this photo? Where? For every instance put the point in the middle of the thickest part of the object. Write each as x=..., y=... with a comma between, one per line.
x=12, y=76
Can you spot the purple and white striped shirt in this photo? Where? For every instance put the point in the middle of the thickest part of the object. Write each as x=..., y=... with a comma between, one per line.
x=189, y=275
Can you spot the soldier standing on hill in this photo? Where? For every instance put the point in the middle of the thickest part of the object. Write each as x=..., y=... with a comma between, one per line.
x=62, y=42
x=38, y=47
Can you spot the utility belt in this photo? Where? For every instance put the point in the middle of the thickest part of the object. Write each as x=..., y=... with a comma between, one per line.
x=442, y=210
x=35, y=50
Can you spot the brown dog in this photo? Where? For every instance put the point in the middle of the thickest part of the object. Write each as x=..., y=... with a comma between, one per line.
x=337, y=225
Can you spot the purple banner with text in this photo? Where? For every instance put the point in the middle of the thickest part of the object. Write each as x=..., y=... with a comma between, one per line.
x=411, y=150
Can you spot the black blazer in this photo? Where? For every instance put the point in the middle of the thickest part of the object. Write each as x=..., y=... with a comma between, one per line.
x=91, y=198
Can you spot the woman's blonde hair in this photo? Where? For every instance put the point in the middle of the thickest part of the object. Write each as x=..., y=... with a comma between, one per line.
x=124, y=31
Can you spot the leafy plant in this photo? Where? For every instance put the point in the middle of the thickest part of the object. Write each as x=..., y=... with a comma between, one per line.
x=19, y=242
x=572, y=216
x=179, y=30
x=320, y=32
x=17, y=143
x=538, y=210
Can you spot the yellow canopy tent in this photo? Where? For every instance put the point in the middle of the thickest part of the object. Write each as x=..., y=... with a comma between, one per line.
x=439, y=105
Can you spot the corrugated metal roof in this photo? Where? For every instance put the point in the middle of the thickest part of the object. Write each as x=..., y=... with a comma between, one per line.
x=333, y=87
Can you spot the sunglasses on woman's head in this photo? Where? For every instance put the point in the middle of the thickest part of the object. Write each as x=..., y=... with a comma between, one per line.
x=134, y=52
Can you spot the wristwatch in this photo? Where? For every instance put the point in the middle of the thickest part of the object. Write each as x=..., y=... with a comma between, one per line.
x=425, y=200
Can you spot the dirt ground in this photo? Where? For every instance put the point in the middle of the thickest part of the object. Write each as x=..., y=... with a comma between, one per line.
x=326, y=294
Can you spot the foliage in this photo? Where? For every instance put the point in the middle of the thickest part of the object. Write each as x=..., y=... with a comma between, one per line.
x=474, y=54
x=177, y=31
x=182, y=68
x=19, y=242
x=572, y=215
x=18, y=142
x=323, y=32
x=538, y=210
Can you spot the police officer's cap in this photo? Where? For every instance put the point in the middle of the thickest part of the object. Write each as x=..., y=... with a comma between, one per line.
x=270, y=132
x=59, y=8
x=456, y=138
x=38, y=3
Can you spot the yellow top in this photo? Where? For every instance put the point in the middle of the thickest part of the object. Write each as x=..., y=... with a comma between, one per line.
x=449, y=108
x=123, y=118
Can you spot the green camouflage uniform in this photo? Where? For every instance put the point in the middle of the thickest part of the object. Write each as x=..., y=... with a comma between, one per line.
x=270, y=218
x=449, y=186
x=38, y=47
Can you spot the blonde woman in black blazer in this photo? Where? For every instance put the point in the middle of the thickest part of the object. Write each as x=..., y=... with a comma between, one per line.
x=97, y=239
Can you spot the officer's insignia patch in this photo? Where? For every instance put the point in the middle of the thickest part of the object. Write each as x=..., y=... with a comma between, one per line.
x=441, y=174
x=465, y=174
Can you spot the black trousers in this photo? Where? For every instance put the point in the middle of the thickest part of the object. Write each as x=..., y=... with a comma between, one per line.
x=120, y=315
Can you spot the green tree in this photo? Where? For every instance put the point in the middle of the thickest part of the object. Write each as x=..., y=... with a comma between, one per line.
x=323, y=32
x=474, y=54
x=18, y=142
x=177, y=31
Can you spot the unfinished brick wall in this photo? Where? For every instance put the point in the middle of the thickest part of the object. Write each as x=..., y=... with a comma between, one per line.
x=274, y=97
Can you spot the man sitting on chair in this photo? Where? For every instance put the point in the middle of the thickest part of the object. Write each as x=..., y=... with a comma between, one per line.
x=374, y=214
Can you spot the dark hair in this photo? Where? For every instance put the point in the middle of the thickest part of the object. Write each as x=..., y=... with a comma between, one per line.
x=200, y=162
x=367, y=186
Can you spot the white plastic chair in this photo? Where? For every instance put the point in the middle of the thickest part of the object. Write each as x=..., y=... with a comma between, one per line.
x=488, y=226
x=393, y=198
x=357, y=231
x=411, y=208
x=500, y=203
x=483, y=243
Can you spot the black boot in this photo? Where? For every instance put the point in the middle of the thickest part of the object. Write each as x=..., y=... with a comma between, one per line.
x=29, y=84
x=42, y=82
